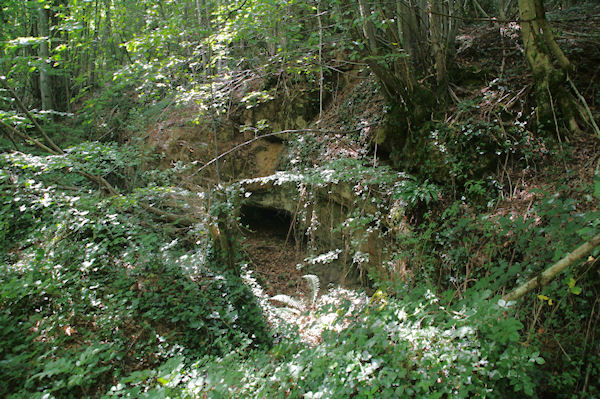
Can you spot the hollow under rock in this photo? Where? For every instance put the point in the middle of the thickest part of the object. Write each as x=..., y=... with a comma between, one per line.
x=273, y=255
x=267, y=222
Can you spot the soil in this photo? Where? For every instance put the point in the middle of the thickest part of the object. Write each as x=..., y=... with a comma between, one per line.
x=274, y=261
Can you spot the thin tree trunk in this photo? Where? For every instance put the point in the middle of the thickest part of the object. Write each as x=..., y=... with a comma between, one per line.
x=320, y=59
x=199, y=13
x=46, y=94
x=207, y=55
x=438, y=47
x=109, y=34
x=368, y=29
x=93, y=61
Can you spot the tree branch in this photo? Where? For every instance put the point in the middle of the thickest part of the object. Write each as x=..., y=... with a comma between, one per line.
x=252, y=140
x=25, y=136
x=585, y=104
x=102, y=182
x=31, y=118
x=548, y=274
x=9, y=135
x=171, y=217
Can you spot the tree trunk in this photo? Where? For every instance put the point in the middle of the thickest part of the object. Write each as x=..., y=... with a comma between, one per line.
x=540, y=46
x=438, y=45
x=413, y=41
x=95, y=42
x=321, y=79
x=44, y=53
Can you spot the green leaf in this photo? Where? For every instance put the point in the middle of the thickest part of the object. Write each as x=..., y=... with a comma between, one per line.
x=576, y=290
x=162, y=381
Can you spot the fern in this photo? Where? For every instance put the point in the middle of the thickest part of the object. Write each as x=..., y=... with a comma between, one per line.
x=283, y=312
x=289, y=301
x=313, y=282
x=295, y=305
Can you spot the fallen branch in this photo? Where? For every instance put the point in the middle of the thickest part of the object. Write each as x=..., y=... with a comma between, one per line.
x=171, y=217
x=25, y=136
x=102, y=182
x=585, y=105
x=548, y=274
x=8, y=134
x=31, y=118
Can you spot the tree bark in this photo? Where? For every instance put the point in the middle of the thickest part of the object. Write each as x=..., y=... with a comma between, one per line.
x=44, y=53
x=540, y=45
x=548, y=274
x=438, y=45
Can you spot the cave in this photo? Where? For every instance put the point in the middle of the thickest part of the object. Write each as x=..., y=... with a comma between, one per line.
x=266, y=221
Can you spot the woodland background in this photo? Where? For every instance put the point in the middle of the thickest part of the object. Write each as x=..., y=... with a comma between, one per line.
x=325, y=198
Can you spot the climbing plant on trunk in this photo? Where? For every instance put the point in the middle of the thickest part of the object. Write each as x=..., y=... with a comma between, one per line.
x=542, y=53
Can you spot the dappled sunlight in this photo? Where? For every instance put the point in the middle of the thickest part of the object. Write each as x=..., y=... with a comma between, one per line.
x=299, y=199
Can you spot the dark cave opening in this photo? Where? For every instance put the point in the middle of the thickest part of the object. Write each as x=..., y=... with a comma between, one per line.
x=267, y=221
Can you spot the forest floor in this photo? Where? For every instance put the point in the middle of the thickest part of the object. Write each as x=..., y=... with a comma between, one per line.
x=275, y=262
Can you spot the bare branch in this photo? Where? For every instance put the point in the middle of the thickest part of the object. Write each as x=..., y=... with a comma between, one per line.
x=548, y=274
x=252, y=140
x=25, y=136
x=102, y=182
x=587, y=108
x=31, y=118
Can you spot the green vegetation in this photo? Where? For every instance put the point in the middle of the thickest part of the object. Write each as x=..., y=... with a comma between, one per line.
x=94, y=291
x=400, y=149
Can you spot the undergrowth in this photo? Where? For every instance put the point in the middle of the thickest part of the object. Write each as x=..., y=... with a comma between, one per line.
x=463, y=248
x=99, y=300
x=406, y=345
x=93, y=290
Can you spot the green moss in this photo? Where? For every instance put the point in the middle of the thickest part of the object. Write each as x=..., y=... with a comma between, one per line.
x=380, y=136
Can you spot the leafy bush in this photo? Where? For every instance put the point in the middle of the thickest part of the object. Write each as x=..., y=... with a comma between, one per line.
x=462, y=252
x=91, y=291
x=412, y=347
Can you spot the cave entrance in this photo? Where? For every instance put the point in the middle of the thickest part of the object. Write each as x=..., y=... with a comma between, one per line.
x=273, y=260
x=268, y=222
